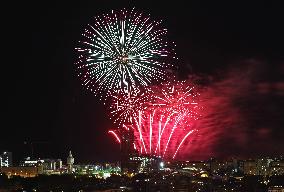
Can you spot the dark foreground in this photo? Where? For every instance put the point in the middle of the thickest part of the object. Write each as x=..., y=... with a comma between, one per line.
x=142, y=182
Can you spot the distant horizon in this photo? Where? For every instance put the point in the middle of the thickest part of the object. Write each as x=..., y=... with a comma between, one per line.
x=168, y=160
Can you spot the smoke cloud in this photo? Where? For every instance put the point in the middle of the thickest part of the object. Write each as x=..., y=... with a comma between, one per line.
x=243, y=112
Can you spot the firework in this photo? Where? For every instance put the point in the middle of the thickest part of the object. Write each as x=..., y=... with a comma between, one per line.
x=162, y=135
x=123, y=51
x=174, y=96
x=115, y=135
x=163, y=126
x=125, y=107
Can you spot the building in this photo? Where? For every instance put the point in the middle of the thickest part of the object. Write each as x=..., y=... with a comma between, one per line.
x=22, y=171
x=6, y=159
x=70, y=162
x=143, y=163
x=127, y=150
x=98, y=170
x=277, y=167
x=250, y=167
x=52, y=164
x=49, y=166
x=276, y=189
x=215, y=165
x=28, y=162
x=262, y=167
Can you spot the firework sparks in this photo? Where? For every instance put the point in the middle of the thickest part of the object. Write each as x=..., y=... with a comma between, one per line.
x=115, y=135
x=162, y=136
x=126, y=107
x=162, y=127
x=122, y=51
x=174, y=96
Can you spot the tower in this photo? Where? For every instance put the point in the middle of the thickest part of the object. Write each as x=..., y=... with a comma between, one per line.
x=127, y=151
x=6, y=159
x=70, y=162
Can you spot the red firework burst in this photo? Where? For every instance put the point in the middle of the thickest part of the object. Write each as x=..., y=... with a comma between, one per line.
x=165, y=122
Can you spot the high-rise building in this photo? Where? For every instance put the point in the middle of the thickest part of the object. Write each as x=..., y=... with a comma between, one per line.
x=127, y=150
x=70, y=162
x=6, y=159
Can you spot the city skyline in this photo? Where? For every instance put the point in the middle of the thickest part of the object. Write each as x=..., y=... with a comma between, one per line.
x=235, y=52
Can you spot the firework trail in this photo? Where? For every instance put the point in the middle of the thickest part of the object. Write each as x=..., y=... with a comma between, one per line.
x=122, y=51
x=161, y=136
x=165, y=122
x=115, y=135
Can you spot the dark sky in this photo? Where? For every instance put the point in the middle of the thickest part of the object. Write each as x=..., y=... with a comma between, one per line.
x=44, y=102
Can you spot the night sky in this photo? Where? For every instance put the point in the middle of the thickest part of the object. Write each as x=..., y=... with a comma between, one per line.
x=234, y=50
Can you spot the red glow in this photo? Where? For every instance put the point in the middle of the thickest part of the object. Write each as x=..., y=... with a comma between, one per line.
x=165, y=121
x=115, y=135
x=190, y=132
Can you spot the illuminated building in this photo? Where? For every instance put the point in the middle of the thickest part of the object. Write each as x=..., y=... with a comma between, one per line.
x=28, y=162
x=215, y=165
x=250, y=167
x=131, y=161
x=199, y=165
x=70, y=162
x=263, y=166
x=145, y=163
x=6, y=159
x=49, y=166
x=276, y=189
x=129, y=164
x=193, y=165
x=58, y=164
x=22, y=171
x=98, y=170
x=277, y=167
x=52, y=164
